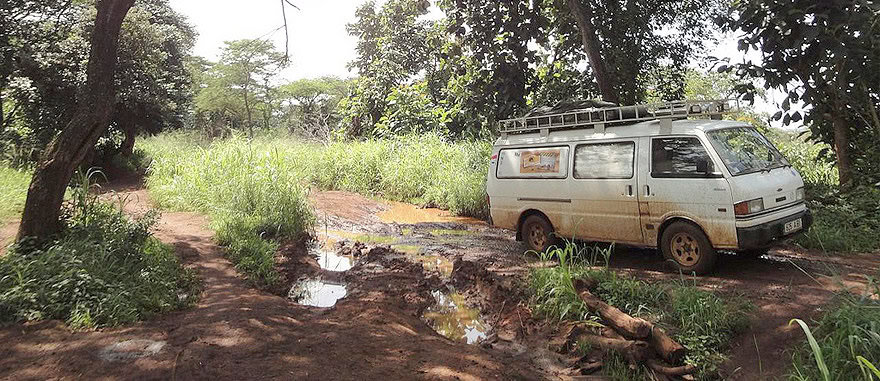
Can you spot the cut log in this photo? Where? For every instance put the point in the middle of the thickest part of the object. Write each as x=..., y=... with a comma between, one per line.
x=628, y=326
x=661, y=368
x=635, y=351
x=668, y=349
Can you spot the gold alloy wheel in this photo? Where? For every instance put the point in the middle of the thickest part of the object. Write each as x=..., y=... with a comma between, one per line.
x=685, y=249
x=537, y=236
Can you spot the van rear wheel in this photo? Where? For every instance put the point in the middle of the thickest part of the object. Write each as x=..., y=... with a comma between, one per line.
x=688, y=247
x=537, y=232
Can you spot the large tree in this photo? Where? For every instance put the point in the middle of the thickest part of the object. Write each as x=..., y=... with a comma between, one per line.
x=247, y=68
x=825, y=54
x=41, y=215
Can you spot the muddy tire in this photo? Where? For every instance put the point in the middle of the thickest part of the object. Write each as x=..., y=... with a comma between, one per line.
x=688, y=248
x=537, y=233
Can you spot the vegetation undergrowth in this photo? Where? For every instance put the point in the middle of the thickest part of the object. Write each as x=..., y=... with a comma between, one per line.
x=843, y=221
x=103, y=269
x=702, y=321
x=252, y=191
x=845, y=343
x=13, y=190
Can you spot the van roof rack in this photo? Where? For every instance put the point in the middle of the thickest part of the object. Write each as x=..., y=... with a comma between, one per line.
x=600, y=117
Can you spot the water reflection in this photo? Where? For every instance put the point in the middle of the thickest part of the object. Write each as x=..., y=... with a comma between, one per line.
x=452, y=318
x=317, y=293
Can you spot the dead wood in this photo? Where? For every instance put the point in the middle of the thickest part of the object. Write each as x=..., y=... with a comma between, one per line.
x=668, y=349
x=661, y=368
x=635, y=351
x=628, y=326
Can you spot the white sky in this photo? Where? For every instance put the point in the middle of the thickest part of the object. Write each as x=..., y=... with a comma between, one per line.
x=319, y=44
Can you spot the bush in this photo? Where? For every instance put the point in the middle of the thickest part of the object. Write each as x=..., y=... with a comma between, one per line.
x=700, y=320
x=104, y=269
x=13, y=190
x=843, y=222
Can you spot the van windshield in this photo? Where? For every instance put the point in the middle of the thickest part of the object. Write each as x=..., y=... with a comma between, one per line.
x=744, y=150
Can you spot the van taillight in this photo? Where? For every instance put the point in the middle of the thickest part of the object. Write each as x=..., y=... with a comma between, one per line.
x=487, y=200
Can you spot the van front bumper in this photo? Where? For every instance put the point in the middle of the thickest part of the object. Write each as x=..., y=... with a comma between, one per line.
x=768, y=233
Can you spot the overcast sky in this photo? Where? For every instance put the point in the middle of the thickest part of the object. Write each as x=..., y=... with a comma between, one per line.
x=319, y=44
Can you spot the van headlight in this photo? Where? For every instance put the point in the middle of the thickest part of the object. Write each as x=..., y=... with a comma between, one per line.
x=799, y=194
x=748, y=207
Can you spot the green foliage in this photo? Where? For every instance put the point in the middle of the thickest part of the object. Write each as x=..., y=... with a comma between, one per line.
x=13, y=190
x=237, y=91
x=843, y=221
x=312, y=105
x=844, y=344
x=700, y=320
x=252, y=190
x=809, y=50
x=104, y=269
x=39, y=87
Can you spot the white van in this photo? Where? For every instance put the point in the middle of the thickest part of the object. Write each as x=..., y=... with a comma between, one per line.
x=670, y=175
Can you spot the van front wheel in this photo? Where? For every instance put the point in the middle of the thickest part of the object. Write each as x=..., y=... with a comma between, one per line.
x=687, y=246
x=537, y=232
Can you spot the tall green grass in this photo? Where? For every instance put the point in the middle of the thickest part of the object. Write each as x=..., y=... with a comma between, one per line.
x=702, y=321
x=103, y=269
x=255, y=190
x=13, y=190
x=844, y=344
x=252, y=190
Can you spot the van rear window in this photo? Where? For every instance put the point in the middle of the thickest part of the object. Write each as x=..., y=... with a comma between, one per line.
x=604, y=160
x=533, y=163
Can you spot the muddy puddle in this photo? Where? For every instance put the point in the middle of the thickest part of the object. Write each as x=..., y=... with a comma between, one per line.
x=433, y=263
x=317, y=292
x=452, y=318
x=329, y=260
x=402, y=213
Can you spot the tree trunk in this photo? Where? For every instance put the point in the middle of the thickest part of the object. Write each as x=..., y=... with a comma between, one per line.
x=130, y=130
x=841, y=148
x=42, y=209
x=584, y=17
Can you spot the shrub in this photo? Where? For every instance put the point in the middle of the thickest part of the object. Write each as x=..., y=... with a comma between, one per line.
x=104, y=269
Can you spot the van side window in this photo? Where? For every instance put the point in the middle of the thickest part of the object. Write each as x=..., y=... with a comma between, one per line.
x=679, y=157
x=604, y=160
x=533, y=163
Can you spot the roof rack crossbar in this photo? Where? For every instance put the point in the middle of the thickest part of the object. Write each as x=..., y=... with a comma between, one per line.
x=589, y=117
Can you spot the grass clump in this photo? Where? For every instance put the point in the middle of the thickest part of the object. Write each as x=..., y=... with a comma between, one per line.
x=103, y=269
x=702, y=321
x=844, y=344
x=13, y=190
x=252, y=191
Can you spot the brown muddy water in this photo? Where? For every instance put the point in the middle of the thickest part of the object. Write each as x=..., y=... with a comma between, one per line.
x=452, y=318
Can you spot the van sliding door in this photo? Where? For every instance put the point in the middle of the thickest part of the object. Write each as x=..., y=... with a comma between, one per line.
x=603, y=192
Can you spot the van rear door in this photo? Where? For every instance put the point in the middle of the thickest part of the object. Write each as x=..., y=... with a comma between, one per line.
x=603, y=192
x=682, y=179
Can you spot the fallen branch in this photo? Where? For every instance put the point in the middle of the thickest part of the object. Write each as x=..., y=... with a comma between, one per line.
x=628, y=326
x=633, y=350
x=661, y=368
x=631, y=327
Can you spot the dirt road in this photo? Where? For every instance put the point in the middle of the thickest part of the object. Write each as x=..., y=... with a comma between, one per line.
x=377, y=331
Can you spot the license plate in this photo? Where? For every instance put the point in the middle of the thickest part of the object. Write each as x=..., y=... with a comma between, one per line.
x=792, y=226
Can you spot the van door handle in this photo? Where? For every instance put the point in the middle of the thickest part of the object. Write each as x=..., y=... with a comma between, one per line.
x=647, y=190
x=629, y=190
